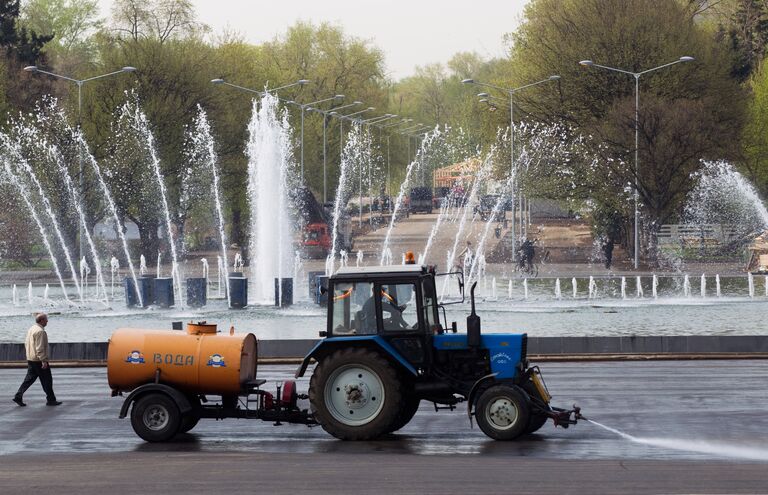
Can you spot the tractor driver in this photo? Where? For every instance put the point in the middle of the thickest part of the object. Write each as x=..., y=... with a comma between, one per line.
x=367, y=317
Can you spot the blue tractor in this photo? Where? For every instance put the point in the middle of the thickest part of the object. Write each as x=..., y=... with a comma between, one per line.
x=385, y=350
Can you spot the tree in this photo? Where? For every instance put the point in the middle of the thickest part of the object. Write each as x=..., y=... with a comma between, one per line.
x=71, y=23
x=18, y=48
x=161, y=20
x=687, y=112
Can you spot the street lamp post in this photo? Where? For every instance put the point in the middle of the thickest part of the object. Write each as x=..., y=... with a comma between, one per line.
x=511, y=92
x=341, y=146
x=303, y=106
x=35, y=70
x=389, y=175
x=325, y=115
x=636, y=75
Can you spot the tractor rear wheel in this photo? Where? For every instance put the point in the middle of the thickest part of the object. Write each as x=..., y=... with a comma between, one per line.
x=502, y=412
x=355, y=394
x=407, y=412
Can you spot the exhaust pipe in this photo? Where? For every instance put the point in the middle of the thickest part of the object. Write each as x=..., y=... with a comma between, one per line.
x=473, y=322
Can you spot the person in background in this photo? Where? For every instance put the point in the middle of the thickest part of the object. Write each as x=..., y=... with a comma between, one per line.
x=36, y=345
x=608, y=252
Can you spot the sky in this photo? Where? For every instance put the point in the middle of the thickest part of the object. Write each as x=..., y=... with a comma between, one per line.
x=410, y=32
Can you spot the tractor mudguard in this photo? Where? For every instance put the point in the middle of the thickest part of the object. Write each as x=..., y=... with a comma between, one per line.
x=181, y=401
x=331, y=343
x=473, y=390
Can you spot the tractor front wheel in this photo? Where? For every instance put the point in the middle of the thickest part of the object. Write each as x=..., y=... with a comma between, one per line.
x=355, y=394
x=502, y=412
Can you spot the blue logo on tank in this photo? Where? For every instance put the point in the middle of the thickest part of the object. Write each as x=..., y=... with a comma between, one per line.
x=216, y=361
x=135, y=357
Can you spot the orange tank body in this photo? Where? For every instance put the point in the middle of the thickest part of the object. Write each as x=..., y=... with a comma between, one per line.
x=197, y=361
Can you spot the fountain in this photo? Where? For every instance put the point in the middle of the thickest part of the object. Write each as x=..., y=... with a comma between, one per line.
x=138, y=119
x=592, y=287
x=221, y=279
x=751, y=284
x=717, y=285
x=480, y=177
x=703, y=286
x=509, y=289
x=525, y=289
x=24, y=193
x=203, y=150
x=639, y=286
x=359, y=260
x=686, y=286
x=655, y=286
x=270, y=162
x=21, y=163
x=206, y=271
x=405, y=187
x=15, y=296
x=624, y=288
x=558, y=293
x=574, y=287
x=114, y=270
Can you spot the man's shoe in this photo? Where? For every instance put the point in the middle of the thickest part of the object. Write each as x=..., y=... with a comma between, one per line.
x=54, y=403
x=18, y=401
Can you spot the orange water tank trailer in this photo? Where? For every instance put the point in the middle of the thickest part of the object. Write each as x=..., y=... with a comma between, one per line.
x=197, y=361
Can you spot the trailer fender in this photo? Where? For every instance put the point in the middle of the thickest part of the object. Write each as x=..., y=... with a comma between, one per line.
x=179, y=398
x=473, y=391
x=328, y=345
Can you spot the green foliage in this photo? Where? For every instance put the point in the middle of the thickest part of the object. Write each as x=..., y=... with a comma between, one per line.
x=71, y=24
x=755, y=138
x=687, y=112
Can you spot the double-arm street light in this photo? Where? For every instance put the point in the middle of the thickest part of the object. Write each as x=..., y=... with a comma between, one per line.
x=511, y=92
x=326, y=114
x=220, y=81
x=636, y=75
x=391, y=126
x=36, y=70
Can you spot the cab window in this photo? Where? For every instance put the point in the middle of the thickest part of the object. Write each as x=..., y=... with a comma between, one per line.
x=399, y=310
x=354, y=309
x=431, y=318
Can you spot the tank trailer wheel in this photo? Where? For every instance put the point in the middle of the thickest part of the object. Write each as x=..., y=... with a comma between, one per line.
x=355, y=394
x=190, y=419
x=502, y=412
x=156, y=418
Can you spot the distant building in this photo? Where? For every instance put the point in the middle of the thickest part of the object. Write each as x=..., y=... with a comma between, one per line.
x=462, y=173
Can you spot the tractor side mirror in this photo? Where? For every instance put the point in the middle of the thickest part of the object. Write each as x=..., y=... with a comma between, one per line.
x=323, y=290
x=454, y=327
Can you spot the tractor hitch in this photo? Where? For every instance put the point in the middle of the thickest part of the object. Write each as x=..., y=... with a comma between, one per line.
x=565, y=417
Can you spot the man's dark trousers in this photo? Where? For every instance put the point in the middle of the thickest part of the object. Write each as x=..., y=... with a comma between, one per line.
x=35, y=370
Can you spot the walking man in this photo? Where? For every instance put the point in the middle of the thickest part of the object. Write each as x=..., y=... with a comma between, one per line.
x=36, y=345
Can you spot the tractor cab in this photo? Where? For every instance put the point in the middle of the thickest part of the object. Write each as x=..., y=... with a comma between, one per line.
x=398, y=304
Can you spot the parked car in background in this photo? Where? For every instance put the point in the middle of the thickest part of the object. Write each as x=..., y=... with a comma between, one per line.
x=421, y=200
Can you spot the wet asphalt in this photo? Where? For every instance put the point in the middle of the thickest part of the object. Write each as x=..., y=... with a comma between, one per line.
x=701, y=428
